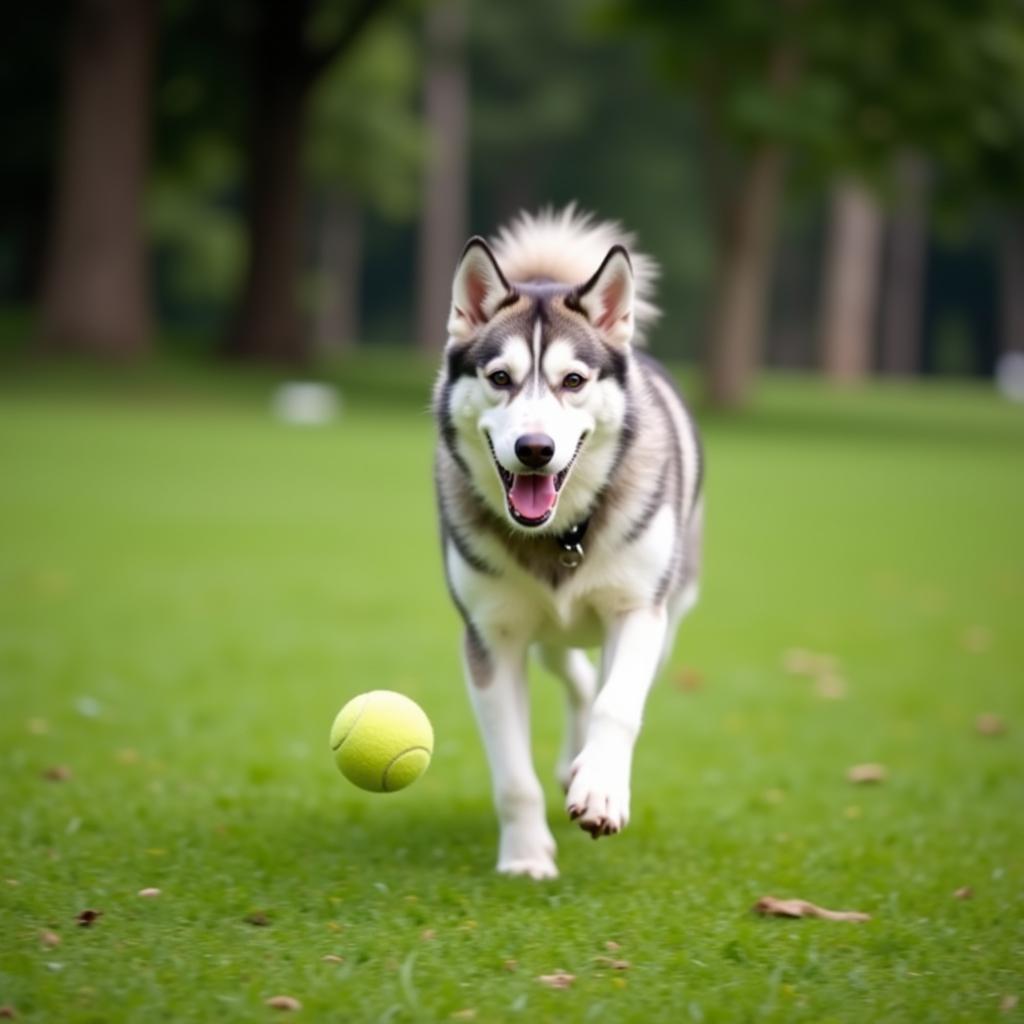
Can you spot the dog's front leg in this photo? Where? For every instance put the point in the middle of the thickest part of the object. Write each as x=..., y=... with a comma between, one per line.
x=497, y=688
x=598, y=797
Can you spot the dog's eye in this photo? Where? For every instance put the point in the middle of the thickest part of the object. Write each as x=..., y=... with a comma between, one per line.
x=573, y=381
x=500, y=379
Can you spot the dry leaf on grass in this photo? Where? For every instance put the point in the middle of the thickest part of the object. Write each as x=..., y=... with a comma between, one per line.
x=149, y=892
x=283, y=1003
x=467, y=1014
x=830, y=686
x=615, y=965
x=86, y=918
x=1008, y=1003
x=57, y=773
x=428, y=935
x=612, y=946
x=866, y=773
x=989, y=725
x=511, y=965
x=332, y=958
x=769, y=906
x=965, y=892
x=8, y=1012
x=560, y=979
x=49, y=939
x=257, y=918
x=688, y=679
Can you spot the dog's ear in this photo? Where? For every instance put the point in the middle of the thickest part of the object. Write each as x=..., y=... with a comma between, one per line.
x=607, y=298
x=478, y=290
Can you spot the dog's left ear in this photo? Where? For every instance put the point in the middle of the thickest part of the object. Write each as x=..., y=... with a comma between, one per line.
x=607, y=298
x=478, y=290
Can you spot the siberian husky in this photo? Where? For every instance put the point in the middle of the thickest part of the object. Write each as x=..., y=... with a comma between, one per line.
x=568, y=479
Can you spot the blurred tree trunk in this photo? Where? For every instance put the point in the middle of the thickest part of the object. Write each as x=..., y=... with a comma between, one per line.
x=903, y=283
x=443, y=226
x=852, y=274
x=1011, y=265
x=744, y=248
x=336, y=325
x=745, y=198
x=268, y=324
x=95, y=296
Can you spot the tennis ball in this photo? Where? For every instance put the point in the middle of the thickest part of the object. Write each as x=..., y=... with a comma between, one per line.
x=382, y=741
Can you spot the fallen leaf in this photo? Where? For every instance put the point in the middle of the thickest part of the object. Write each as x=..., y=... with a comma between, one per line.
x=12, y=882
x=688, y=679
x=48, y=938
x=965, y=892
x=38, y=726
x=149, y=892
x=615, y=965
x=1008, y=1003
x=332, y=958
x=8, y=1012
x=560, y=979
x=468, y=1014
x=257, y=918
x=611, y=945
x=283, y=1003
x=511, y=965
x=57, y=773
x=428, y=935
x=977, y=639
x=830, y=686
x=865, y=773
x=989, y=725
x=86, y=918
x=769, y=906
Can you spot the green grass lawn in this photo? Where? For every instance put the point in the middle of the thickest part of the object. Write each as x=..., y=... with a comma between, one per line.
x=189, y=591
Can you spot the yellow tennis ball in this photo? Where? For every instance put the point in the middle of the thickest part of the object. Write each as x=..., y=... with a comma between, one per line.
x=382, y=741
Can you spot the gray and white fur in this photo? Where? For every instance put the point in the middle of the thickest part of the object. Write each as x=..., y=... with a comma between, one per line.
x=569, y=477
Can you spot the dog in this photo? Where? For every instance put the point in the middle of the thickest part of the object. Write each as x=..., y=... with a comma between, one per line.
x=569, y=478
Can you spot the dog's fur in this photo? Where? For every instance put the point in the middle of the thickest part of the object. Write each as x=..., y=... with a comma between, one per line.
x=553, y=424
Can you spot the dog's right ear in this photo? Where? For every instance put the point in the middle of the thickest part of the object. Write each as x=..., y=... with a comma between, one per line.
x=478, y=290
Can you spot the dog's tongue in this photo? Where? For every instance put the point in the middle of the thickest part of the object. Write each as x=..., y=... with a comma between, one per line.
x=532, y=496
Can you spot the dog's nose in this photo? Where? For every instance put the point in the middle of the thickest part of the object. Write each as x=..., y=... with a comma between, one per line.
x=535, y=450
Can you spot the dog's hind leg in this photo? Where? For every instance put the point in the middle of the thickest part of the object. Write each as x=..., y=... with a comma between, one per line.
x=576, y=671
x=498, y=691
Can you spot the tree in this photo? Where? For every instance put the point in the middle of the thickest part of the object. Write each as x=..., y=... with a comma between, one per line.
x=364, y=152
x=446, y=183
x=95, y=292
x=295, y=41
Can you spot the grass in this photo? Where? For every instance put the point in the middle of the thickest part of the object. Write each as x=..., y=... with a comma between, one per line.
x=189, y=591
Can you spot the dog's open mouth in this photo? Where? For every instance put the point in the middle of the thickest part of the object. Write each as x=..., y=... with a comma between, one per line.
x=532, y=497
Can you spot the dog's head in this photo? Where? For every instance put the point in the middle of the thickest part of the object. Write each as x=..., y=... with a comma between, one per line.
x=532, y=397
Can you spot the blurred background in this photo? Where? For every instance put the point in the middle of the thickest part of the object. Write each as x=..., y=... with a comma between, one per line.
x=829, y=186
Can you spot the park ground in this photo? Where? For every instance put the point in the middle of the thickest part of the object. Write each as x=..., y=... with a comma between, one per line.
x=190, y=589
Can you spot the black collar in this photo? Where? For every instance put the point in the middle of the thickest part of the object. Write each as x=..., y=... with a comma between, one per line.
x=570, y=544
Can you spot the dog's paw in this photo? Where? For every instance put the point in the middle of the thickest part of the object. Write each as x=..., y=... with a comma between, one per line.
x=528, y=851
x=598, y=796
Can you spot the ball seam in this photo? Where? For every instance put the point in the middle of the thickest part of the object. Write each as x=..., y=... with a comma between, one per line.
x=391, y=764
x=355, y=722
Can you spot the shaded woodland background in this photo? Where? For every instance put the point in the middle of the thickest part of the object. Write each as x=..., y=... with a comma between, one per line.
x=831, y=186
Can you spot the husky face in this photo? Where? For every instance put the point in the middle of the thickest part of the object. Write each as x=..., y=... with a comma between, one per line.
x=532, y=400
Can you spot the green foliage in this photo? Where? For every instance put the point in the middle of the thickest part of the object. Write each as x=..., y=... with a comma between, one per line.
x=191, y=592
x=364, y=128
x=847, y=85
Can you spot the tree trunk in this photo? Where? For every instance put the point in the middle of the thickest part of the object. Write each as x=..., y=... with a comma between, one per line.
x=1011, y=266
x=336, y=325
x=95, y=295
x=269, y=321
x=850, y=293
x=736, y=332
x=903, y=284
x=443, y=226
